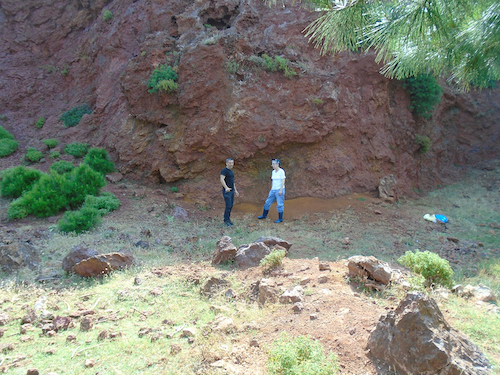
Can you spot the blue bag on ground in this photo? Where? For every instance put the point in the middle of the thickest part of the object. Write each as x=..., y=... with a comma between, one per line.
x=441, y=218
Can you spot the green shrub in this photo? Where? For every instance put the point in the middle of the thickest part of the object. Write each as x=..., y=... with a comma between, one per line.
x=33, y=155
x=7, y=147
x=17, y=180
x=79, y=221
x=83, y=181
x=431, y=266
x=46, y=198
x=282, y=64
x=76, y=149
x=107, y=15
x=163, y=78
x=73, y=116
x=50, y=143
x=231, y=66
x=271, y=65
x=425, y=94
x=17, y=210
x=55, y=154
x=174, y=189
x=4, y=134
x=40, y=122
x=62, y=167
x=104, y=204
x=424, y=142
x=300, y=356
x=273, y=259
x=98, y=160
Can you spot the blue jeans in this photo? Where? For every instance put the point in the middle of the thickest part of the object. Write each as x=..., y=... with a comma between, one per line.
x=274, y=196
x=229, y=199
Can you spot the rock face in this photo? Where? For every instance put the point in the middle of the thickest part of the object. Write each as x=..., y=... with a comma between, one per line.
x=17, y=255
x=371, y=267
x=338, y=122
x=416, y=339
x=103, y=264
x=387, y=188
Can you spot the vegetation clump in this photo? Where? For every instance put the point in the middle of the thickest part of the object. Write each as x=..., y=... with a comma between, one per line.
x=76, y=149
x=107, y=15
x=431, y=266
x=7, y=143
x=53, y=192
x=15, y=181
x=89, y=215
x=98, y=160
x=273, y=259
x=62, y=167
x=424, y=142
x=300, y=356
x=40, y=122
x=425, y=94
x=278, y=63
x=74, y=115
x=164, y=78
x=33, y=155
x=50, y=143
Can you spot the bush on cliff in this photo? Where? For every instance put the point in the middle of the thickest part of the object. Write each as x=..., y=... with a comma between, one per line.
x=425, y=94
x=163, y=78
x=74, y=115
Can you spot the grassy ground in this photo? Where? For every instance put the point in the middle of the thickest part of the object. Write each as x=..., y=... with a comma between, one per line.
x=161, y=306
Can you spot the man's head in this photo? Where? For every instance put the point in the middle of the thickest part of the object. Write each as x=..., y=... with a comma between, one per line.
x=229, y=163
x=276, y=163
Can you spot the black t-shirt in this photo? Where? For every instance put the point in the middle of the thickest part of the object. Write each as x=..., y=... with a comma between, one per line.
x=229, y=177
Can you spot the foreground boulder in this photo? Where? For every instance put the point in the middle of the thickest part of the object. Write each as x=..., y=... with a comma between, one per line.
x=103, y=264
x=18, y=255
x=416, y=339
x=370, y=267
x=225, y=251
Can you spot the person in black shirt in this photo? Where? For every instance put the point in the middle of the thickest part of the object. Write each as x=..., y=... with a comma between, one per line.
x=228, y=190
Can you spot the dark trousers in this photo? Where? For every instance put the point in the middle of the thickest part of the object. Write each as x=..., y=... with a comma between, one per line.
x=229, y=199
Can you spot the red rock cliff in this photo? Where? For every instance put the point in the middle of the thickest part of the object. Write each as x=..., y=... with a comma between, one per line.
x=338, y=125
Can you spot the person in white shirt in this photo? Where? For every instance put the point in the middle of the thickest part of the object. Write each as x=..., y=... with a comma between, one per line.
x=277, y=192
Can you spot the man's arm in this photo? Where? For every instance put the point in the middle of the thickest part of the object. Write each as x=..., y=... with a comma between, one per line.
x=223, y=182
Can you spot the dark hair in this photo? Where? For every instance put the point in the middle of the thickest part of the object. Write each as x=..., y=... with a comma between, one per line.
x=277, y=161
x=229, y=159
